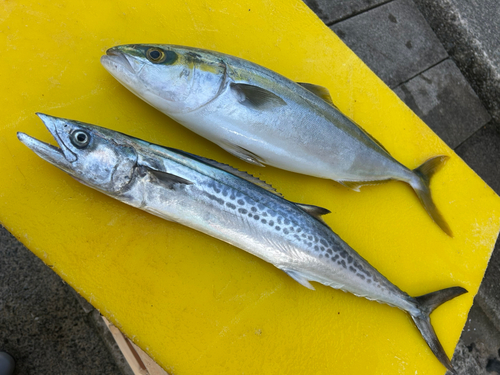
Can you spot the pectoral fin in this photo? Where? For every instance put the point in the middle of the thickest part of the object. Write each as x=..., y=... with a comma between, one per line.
x=297, y=276
x=256, y=97
x=166, y=179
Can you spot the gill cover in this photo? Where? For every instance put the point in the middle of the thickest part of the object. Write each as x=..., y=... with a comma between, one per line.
x=87, y=152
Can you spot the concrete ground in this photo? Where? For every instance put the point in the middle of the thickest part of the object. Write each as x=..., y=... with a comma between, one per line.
x=440, y=56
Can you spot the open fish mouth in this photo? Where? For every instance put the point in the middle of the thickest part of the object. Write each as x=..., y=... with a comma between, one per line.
x=58, y=156
x=116, y=60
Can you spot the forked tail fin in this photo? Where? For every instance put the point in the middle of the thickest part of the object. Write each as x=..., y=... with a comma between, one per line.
x=427, y=303
x=421, y=187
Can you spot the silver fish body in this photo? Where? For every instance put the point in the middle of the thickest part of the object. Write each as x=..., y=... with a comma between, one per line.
x=229, y=205
x=261, y=116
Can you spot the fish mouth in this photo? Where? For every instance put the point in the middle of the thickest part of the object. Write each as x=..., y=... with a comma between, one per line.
x=115, y=60
x=60, y=157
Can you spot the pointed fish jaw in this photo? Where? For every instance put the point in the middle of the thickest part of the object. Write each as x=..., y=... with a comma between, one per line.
x=60, y=157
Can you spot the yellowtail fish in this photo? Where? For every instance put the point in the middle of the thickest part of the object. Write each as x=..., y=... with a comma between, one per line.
x=263, y=117
x=230, y=205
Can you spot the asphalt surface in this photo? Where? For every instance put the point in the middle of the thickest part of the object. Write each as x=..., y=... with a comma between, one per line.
x=441, y=57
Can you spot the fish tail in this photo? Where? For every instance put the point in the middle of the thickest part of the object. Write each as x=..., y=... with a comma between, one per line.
x=426, y=304
x=420, y=184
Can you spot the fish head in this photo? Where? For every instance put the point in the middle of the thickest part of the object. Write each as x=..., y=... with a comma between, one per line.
x=173, y=79
x=97, y=157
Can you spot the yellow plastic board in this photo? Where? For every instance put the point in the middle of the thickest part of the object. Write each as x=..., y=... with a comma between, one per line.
x=195, y=304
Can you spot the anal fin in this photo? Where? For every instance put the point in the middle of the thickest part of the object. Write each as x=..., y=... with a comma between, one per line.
x=355, y=185
x=298, y=277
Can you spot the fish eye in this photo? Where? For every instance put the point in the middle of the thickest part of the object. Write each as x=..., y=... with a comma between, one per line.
x=80, y=138
x=155, y=55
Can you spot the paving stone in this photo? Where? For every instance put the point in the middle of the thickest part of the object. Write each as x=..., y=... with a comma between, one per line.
x=41, y=323
x=478, y=348
x=331, y=11
x=394, y=40
x=481, y=152
x=469, y=30
x=488, y=297
x=444, y=100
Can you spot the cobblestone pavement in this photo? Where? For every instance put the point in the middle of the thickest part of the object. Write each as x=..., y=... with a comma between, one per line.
x=437, y=55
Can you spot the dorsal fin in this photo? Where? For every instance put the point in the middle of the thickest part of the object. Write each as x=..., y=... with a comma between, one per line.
x=319, y=91
x=225, y=167
x=324, y=94
x=314, y=211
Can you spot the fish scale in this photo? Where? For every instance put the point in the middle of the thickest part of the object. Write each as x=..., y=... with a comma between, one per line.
x=229, y=205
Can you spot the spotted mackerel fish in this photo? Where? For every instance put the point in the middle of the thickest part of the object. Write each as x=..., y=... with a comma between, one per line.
x=263, y=117
x=230, y=205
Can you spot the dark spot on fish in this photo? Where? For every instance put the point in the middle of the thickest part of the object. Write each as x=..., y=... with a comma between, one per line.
x=214, y=198
x=316, y=248
x=299, y=230
x=250, y=214
x=329, y=251
x=392, y=18
x=242, y=211
x=287, y=222
x=277, y=228
x=217, y=190
x=323, y=242
x=342, y=263
x=322, y=248
x=279, y=220
x=327, y=256
x=263, y=221
x=271, y=223
x=256, y=217
x=194, y=55
x=343, y=253
x=291, y=229
x=349, y=259
x=254, y=209
x=369, y=281
x=232, y=197
x=351, y=268
x=264, y=214
x=230, y=205
x=241, y=202
x=362, y=277
x=225, y=192
x=335, y=257
x=285, y=231
x=304, y=235
x=297, y=237
x=310, y=237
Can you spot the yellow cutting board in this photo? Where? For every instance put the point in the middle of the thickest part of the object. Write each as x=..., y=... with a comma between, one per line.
x=195, y=304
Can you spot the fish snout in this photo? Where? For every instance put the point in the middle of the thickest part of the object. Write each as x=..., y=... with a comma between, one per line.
x=115, y=60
